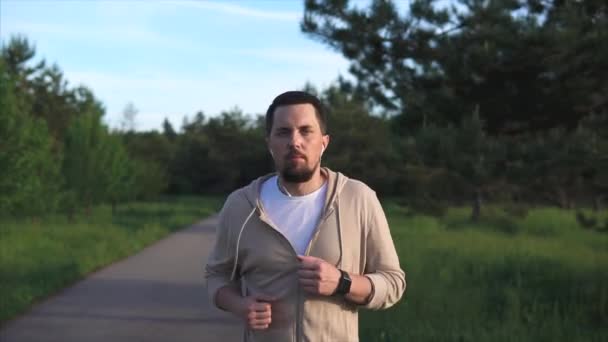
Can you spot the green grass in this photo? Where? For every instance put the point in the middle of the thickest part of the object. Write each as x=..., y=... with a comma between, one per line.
x=541, y=277
x=535, y=278
x=38, y=259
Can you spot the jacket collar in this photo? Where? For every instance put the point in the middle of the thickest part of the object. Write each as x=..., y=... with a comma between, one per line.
x=335, y=183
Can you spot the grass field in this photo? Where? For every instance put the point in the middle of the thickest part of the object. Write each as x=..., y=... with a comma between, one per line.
x=38, y=259
x=535, y=278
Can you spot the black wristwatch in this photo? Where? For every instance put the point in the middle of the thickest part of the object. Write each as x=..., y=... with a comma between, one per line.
x=344, y=284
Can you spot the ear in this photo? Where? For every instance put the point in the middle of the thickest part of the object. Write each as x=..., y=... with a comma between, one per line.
x=268, y=146
x=325, y=143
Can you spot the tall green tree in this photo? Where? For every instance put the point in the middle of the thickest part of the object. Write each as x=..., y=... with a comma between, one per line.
x=119, y=176
x=168, y=130
x=566, y=168
x=96, y=165
x=43, y=88
x=152, y=154
x=16, y=56
x=455, y=164
x=362, y=145
x=29, y=172
x=522, y=64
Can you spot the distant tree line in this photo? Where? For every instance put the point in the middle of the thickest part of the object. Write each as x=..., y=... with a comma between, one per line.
x=485, y=101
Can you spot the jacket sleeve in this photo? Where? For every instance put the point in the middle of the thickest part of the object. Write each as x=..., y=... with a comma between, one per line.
x=382, y=263
x=221, y=259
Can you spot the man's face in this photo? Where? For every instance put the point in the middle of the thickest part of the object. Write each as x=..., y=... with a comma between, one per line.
x=296, y=142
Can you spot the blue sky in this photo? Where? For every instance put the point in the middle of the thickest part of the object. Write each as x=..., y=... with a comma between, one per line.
x=173, y=58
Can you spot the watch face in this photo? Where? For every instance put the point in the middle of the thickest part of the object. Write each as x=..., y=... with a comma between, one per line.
x=348, y=282
x=344, y=284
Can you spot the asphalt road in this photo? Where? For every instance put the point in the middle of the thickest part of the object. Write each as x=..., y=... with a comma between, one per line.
x=158, y=294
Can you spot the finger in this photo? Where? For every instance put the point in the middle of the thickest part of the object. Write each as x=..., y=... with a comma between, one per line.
x=260, y=315
x=259, y=326
x=260, y=321
x=308, y=265
x=261, y=307
x=264, y=298
x=308, y=282
x=308, y=259
x=310, y=289
x=308, y=274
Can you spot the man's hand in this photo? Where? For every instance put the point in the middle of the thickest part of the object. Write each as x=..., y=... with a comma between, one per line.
x=317, y=276
x=257, y=311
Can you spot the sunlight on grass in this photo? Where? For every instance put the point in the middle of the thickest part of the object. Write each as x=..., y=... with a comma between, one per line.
x=533, y=277
x=540, y=277
x=38, y=259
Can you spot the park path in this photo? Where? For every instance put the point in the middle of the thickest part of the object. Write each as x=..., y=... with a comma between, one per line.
x=158, y=294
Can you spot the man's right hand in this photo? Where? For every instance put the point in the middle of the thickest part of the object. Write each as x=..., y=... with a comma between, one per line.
x=257, y=311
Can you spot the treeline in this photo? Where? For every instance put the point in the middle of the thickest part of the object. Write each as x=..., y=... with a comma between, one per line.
x=55, y=152
x=486, y=101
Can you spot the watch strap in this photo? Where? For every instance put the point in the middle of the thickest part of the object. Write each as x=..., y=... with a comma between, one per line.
x=343, y=284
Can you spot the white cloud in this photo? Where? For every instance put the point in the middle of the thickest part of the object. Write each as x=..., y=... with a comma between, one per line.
x=239, y=10
x=181, y=68
x=109, y=34
x=312, y=57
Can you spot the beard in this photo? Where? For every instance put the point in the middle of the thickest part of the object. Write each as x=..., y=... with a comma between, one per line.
x=292, y=174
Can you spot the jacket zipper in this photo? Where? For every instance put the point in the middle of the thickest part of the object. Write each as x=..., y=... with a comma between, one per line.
x=300, y=308
x=285, y=240
x=299, y=291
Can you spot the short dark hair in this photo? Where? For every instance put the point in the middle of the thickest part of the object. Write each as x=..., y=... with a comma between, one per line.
x=293, y=98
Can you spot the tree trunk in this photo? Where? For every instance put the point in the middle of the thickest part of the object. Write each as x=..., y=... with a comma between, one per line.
x=563, y=200
x=71, y=214
x=597, y=203
x=476, y=211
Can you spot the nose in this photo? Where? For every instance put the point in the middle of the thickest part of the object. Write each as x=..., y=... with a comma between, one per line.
x=296, y=139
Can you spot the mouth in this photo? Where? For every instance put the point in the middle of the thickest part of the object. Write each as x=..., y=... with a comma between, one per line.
x=295, y=157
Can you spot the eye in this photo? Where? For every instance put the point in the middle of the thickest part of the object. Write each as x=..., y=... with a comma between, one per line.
x=282, y=133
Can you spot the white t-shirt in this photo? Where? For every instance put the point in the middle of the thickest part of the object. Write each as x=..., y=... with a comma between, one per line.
x=297, y=216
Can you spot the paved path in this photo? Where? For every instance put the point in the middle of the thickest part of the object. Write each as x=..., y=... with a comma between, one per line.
x=156, y=295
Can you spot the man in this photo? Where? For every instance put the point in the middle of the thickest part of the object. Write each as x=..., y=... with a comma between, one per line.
x=299, y=251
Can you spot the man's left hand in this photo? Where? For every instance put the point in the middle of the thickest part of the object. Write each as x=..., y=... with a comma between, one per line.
x=317, y=276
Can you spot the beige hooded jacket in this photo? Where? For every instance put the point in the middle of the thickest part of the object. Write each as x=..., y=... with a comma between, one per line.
x=352, y=234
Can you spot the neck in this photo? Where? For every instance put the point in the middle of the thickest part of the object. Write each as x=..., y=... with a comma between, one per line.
x=305, y=188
